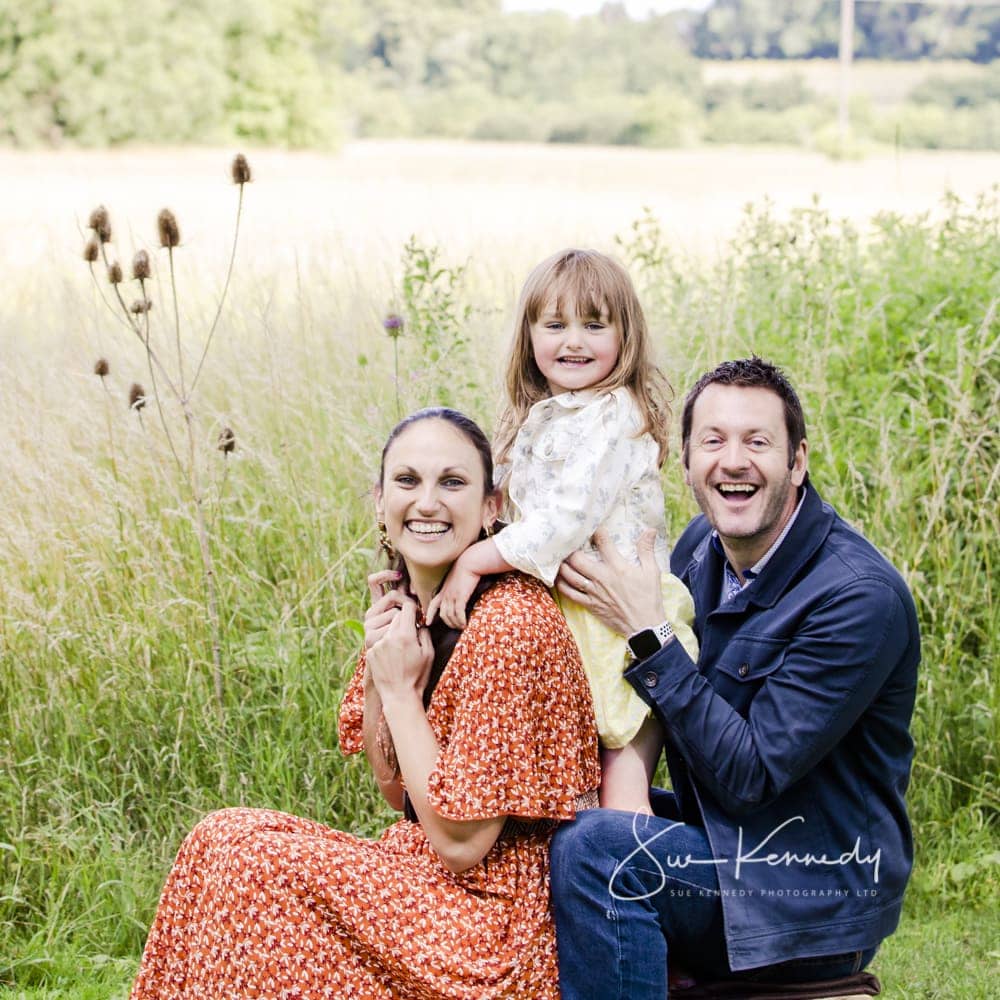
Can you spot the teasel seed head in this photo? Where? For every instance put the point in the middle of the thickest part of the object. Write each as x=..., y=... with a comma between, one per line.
x=100, y=222
x=241, y=170
x=115, y=273
x=101, y=367
x=227, y=440
x=141, y=306
x=136, y=397
x=170, y=234
x=393, y=325
x=91, y=250
x=140, y=266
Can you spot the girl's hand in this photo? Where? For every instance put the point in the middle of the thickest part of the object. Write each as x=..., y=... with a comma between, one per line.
x=453, y=597
x=399, y=662
x=385, y=605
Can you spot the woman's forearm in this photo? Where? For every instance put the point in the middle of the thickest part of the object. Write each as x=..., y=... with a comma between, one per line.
x=386, y=774
x=460, y=844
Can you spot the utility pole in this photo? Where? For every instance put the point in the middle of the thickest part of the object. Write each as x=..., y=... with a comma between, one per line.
x=846, y=58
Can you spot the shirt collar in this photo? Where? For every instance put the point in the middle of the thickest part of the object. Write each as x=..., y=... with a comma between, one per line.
x=573, y=400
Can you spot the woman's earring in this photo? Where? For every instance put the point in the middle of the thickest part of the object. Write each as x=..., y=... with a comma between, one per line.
x=383, y=541
x=488, y=530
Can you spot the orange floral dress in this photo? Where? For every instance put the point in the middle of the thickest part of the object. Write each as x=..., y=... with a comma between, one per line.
x=263, y=904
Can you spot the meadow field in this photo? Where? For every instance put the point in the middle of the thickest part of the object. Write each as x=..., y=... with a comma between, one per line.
x=138, y=690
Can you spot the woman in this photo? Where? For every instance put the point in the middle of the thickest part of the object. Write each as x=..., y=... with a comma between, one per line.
x=486, y=745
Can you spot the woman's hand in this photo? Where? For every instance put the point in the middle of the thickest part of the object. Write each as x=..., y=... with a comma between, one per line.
x=625, y=596
x=385, y=604
x=399, y=661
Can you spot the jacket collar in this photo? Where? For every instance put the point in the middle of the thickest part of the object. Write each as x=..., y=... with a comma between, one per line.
x=808, y=533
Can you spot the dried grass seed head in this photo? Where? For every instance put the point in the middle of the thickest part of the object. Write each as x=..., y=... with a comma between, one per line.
x=140, y=266
x=91, y=250
x=141, y=306
x=227, y=440
x=101, y=367
x=100, y=222
x=166, y=223
x=115, y=273
x=241, y=170
x=136, y=396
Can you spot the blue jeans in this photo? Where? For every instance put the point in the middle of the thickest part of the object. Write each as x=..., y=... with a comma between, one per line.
x=630, y=892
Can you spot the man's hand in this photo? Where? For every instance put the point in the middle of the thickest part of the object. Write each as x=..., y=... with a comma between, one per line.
x=451, y=600
x=624, y=596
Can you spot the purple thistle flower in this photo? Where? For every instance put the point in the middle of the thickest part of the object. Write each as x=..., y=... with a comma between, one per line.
x=393, y=325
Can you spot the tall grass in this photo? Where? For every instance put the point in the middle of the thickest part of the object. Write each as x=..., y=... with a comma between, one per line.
x=110, y=744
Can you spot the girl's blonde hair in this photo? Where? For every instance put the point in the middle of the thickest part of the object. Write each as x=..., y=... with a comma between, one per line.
x=597, y=285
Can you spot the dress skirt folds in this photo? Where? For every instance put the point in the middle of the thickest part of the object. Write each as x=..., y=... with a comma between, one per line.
x=263, y=904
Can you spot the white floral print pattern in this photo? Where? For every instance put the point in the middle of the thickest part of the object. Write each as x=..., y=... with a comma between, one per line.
x=577, y=464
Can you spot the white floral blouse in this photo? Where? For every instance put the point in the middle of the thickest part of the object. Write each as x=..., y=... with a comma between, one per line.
x=578, y=464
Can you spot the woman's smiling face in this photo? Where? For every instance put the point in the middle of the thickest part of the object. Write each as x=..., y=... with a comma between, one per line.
x=433, y=498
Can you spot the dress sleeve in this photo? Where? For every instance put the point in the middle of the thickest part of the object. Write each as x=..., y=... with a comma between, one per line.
x=587, y=459
x=523, y=740
x=352, y=712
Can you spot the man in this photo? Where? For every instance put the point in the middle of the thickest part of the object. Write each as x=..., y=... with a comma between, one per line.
x=784, y=847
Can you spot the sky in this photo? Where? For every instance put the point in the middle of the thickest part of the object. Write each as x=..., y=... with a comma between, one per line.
x=637, y=8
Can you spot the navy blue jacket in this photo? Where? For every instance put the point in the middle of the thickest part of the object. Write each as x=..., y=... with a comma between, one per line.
x=789, y=739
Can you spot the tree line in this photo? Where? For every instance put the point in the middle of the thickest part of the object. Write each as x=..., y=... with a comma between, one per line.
x=810, y=29
x=308, y=73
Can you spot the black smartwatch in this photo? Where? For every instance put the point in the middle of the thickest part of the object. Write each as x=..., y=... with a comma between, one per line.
x=648, y=641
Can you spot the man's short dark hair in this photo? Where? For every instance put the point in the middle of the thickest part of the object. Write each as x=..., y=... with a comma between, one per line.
x=750, y=373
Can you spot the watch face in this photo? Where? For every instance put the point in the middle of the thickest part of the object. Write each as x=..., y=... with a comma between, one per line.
x=644, y=643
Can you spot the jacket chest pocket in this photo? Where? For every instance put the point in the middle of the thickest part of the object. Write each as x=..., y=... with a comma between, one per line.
x=744, y=665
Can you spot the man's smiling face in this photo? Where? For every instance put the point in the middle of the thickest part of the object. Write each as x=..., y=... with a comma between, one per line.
x=738, y=468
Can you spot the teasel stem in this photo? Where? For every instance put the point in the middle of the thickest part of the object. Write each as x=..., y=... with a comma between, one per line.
x=226, y=444
x=225, y=290
x=132, y=323
x=208, y=565
x=177, y=322
x=144, y=337
x=101, y=370
x=152, y=361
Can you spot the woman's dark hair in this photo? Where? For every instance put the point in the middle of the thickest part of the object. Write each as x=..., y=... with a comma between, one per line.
x=749, y=373
x=463, y=424
x=442, y=637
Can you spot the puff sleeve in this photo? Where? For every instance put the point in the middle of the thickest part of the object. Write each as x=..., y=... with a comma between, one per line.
x=523, y=741
x=570, y=469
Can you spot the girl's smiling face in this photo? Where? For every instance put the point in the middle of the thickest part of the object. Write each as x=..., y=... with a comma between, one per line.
x=573, y=351
x=433, y=499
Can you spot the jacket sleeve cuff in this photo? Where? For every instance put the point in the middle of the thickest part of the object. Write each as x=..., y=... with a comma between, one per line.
x=655, y=677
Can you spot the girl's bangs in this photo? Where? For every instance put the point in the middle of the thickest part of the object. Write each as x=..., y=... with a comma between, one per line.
x=581, y=287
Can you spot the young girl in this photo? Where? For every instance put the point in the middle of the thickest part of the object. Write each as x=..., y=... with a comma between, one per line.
x=584, y=436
